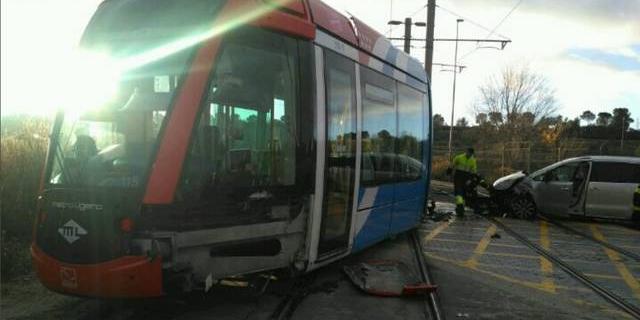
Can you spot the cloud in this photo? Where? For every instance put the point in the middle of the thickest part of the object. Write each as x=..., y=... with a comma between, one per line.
x=622, y=59
x=601, y=11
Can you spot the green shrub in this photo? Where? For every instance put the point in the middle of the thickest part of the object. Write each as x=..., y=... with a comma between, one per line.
x=23, y=149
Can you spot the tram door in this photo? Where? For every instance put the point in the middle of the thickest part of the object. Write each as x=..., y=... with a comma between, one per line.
x=340, y=159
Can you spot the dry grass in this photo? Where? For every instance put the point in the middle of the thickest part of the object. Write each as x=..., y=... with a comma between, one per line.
x=22, y=151
x=439, y=165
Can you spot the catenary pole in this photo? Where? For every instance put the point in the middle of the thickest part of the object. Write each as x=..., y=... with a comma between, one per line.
x=428, y=55
x=453, y=98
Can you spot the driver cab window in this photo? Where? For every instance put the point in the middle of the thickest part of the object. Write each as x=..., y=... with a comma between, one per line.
x=244, y=147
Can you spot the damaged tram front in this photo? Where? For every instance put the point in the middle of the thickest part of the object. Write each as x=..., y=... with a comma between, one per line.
x=220, y=138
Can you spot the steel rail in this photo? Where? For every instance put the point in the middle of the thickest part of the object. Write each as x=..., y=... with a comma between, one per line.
x=432, y=304
x=609, y=245
x=287, y=306
x=575, y=273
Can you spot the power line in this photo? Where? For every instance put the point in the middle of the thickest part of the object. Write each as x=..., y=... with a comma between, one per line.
x=418, y=11
x=494, y=28
x=471, y=21
x=505, y=18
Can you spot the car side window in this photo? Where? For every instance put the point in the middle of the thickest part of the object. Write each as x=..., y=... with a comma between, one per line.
x=564, y=173
x=615, y=172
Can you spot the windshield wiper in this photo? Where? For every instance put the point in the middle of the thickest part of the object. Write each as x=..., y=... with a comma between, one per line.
x=57, y=149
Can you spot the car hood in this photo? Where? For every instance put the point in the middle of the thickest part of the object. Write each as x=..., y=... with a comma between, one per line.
x=507, y=182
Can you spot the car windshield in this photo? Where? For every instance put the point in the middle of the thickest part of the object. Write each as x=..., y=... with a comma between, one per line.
x=108, y=141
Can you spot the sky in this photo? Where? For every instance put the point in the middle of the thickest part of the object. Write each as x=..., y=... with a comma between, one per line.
x=589, y=50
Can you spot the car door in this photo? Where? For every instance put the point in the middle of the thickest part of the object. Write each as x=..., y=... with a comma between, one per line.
x=578, y=188
x=610, y=189
x=555, y=191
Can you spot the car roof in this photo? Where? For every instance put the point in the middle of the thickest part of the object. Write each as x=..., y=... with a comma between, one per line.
x=605, y=158
x=634, y=160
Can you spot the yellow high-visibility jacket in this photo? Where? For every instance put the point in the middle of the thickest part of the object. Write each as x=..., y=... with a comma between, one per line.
x=462, y=163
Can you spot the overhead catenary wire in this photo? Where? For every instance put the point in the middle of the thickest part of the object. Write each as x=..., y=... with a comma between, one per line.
x=494, y=28
x=471, y=21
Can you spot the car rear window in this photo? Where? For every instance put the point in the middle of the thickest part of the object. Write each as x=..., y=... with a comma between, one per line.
x=615, y=172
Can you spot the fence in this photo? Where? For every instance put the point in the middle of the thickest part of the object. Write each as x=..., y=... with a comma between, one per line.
x=499, y=159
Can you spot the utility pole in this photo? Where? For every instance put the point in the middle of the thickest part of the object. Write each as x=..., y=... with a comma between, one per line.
x=428, y=54
x=407, y=35
x=453, y=98
x=408, y=23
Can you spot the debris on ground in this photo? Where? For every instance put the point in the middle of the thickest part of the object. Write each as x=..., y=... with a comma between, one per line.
x=441, y=216
x=431, y=208
x=387, y=278
x=496, y=236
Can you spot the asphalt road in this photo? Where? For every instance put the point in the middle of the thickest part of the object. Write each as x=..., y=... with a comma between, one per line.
x=481, y=271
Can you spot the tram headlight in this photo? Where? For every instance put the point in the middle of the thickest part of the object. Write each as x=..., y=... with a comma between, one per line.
x=126, y=225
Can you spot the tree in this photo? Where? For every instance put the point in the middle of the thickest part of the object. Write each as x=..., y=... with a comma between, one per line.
x=621, y=117
x=588, y=117
x=604, y=119
x=438, y=120
x=526, y=119
x=482, y=118
x=516, y=91
x=462, y=122
x=495, y=118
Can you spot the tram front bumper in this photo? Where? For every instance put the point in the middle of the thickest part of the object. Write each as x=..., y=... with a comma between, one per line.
x=124, y=277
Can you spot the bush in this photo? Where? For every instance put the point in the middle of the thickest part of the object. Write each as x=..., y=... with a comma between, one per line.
x=439, y=165
x=22, y=151
x=16, y=259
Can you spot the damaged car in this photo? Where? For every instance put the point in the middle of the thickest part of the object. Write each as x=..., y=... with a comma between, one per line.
x=589, y=186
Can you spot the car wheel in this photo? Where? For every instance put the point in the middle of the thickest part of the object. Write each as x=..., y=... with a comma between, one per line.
x=523, y=207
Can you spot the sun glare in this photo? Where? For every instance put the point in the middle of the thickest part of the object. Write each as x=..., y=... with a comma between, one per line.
x=90, y=82
x=91, y=78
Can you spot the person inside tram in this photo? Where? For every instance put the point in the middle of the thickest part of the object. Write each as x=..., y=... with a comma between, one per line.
x=122, y=163
x=242, y=173
x=83, y=150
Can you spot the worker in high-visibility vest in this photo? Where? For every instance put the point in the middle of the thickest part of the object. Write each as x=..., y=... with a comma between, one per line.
x=464, y=168
x=636, y=205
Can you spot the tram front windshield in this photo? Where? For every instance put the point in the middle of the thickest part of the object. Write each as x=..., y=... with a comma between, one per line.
x=109, y=143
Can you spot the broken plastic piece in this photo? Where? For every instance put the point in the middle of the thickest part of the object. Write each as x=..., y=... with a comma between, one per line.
x=387, y=278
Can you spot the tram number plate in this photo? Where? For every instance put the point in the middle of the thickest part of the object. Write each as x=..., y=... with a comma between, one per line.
x=68, y=277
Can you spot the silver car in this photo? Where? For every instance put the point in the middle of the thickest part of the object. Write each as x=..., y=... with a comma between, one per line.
x=593, y=186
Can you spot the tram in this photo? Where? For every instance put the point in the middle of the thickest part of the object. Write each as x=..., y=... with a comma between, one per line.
x=228, y=138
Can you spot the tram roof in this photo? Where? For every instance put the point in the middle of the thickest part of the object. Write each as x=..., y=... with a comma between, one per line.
x=355, y=32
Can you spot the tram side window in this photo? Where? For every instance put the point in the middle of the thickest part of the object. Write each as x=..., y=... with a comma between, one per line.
x=410, y=133
x=246, y=137
x=378, y=128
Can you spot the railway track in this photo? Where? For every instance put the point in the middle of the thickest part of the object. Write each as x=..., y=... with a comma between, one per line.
x=290, y=302
x=573, y=271
x=609, y=245
x=433, y=311
x=304, y=286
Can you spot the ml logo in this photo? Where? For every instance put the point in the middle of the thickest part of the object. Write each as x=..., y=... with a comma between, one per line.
x=71, y=231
